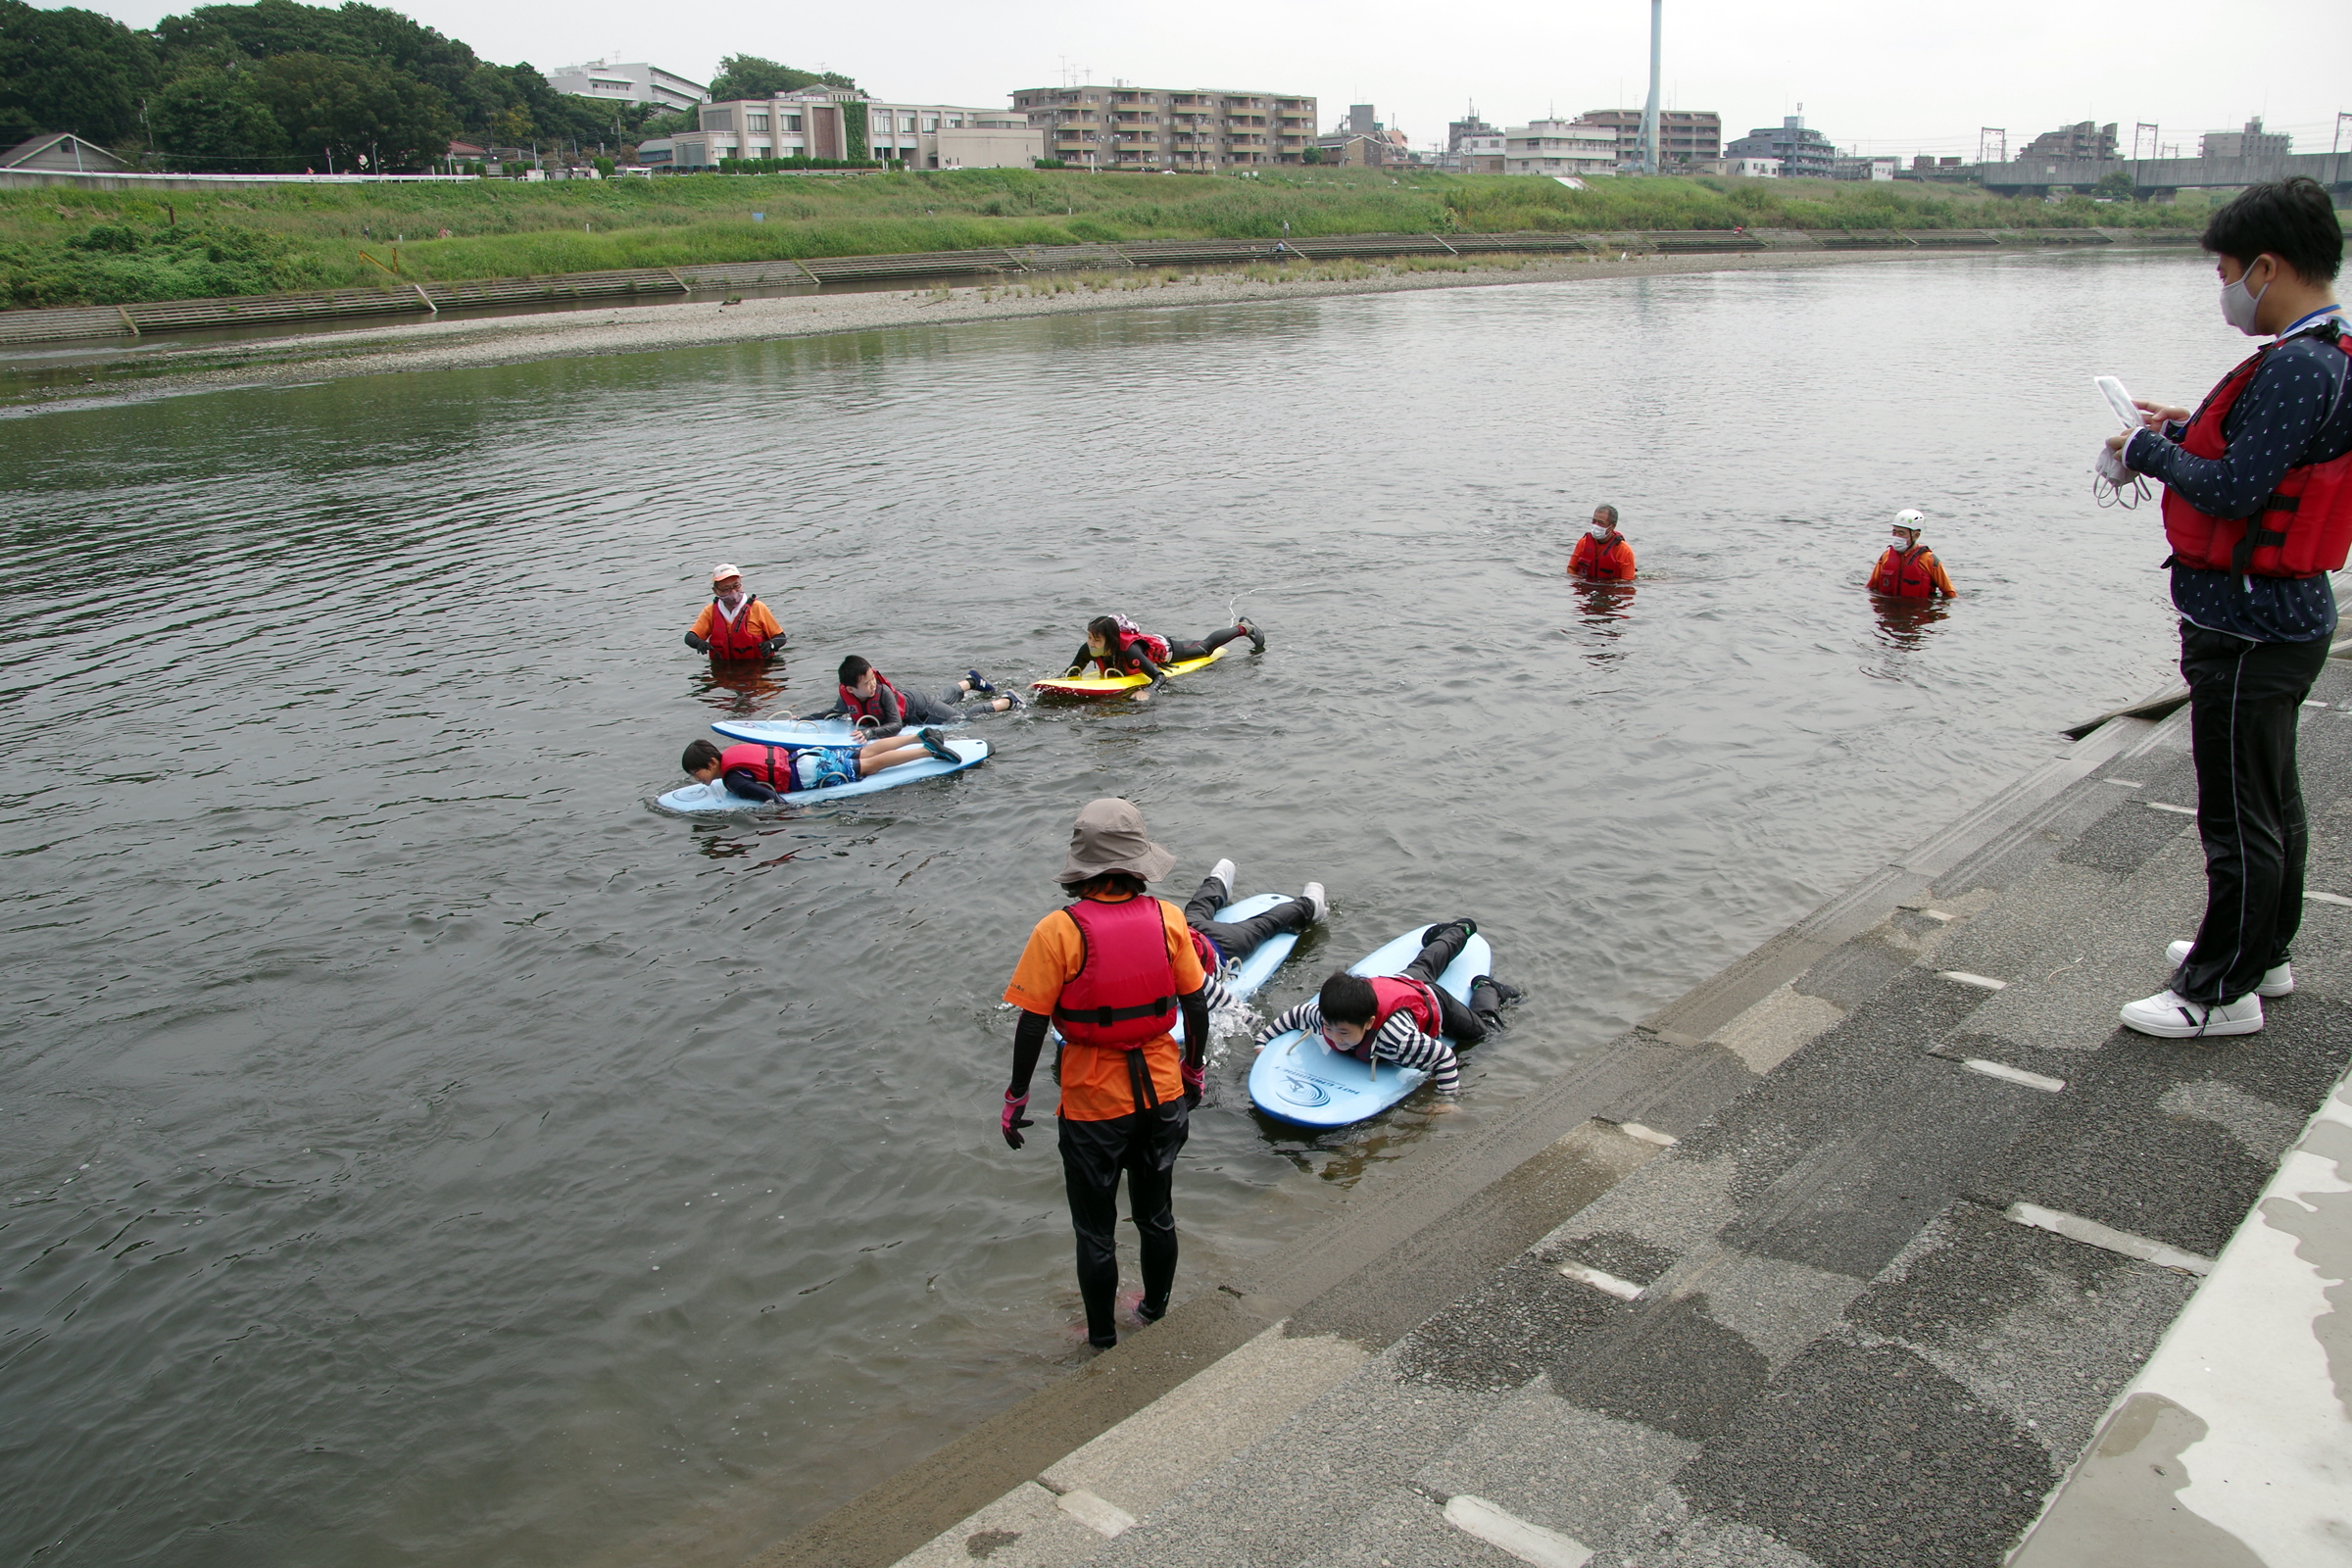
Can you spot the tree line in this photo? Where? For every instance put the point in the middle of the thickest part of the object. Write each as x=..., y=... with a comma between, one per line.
x=277, y=86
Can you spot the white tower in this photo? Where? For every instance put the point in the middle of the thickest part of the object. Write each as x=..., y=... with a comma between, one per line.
x=1649, y=113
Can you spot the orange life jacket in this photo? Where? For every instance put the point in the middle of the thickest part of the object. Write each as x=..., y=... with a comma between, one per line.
x=734, y=639
x=862, y=709
x=2304, y=526
x=1611, y=560
x=1124, y=993
x=1905, y=573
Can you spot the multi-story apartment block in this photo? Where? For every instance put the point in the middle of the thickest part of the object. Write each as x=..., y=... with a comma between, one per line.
x=1558, y=147
x=842, y=123
x=1804, y=154
x=1684, y=135
x=633, y=83
x=1193, y=129
x=2251, y=142
x=2082, y=139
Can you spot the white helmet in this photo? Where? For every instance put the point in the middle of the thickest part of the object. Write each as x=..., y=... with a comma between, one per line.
x=1911, y=519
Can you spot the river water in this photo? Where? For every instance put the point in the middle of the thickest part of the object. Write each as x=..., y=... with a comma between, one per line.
x=418, y=1149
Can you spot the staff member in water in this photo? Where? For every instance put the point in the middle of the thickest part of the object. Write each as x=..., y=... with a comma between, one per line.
x=2258, y=509
x=1602, y=555
x=1114, y=970
x=1907, y=569
x=734, y=625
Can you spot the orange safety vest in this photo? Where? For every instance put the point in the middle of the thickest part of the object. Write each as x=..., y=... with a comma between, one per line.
x=1610, y=561
x=1124, y=993
x=2303, y=528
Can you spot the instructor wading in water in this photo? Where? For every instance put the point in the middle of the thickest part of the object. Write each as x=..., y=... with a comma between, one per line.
x=734, y=625
x=1112, y=971
x=2258, y=509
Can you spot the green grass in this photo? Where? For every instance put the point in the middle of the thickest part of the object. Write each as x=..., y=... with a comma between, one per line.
x=66, y=246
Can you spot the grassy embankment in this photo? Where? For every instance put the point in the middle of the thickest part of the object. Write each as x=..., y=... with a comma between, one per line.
x=61, y=245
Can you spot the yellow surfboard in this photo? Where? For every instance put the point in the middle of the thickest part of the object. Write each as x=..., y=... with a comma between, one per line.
x=1117, y=685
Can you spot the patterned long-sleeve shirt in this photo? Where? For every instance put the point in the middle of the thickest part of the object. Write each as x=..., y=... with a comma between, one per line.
x=2296, y=410
x=1398, y=1039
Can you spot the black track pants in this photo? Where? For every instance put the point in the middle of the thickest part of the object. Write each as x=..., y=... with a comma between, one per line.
x=1093, y=1154
x=2245, y=700
x=1238, y=939
x=1442, y=945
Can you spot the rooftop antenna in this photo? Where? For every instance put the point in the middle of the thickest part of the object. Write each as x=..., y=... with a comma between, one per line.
x=1650, y=113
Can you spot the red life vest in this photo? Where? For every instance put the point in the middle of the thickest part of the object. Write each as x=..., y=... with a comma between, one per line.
x=1414, y=997
x=1905, y=573
x=862, y=709
x=734, y=639
x=771, y=766
x=1124, y=993
x=1155, y=648
x=2304, y=527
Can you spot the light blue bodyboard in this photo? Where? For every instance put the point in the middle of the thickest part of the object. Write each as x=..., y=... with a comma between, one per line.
x=708, y=798
x=1298, y=1079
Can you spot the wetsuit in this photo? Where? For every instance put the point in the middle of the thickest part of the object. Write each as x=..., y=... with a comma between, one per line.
x=917, y=708
x=1133, y=660
x=1236, y=939
x=2250, y=649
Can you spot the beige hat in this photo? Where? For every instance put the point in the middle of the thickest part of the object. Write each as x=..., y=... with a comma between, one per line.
x=723, y=572
x=1109, y=836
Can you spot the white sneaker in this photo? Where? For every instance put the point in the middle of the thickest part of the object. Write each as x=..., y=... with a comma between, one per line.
x=1223, y=871
x=2278, y=982
x=2168, y=1018
x=1312, y=893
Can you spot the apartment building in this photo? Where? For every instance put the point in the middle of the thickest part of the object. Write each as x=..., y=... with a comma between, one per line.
x=1559, y=147
x=633, y=82
x=1684, y=135
x=1804, y=153
x=2082, y=139
x=2251, y=142
x=844, y=124
x=1191, y=129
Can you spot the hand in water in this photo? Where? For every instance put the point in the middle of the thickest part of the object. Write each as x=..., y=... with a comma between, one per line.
x=1143, y=695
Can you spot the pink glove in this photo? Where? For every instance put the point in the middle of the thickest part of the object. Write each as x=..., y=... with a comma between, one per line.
x=1196, y=1079
x=1012, y=1121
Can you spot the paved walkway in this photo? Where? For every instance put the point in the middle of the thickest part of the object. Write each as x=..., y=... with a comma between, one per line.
x=1843, y=1259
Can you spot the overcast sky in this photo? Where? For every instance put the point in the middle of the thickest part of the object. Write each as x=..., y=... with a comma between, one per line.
x=1890, y=79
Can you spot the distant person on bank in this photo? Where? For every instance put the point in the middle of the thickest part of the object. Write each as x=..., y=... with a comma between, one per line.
x=2258, y=511
x=734, y=625
x=1114, y=970
x=1602, y=555
x=1907, y=569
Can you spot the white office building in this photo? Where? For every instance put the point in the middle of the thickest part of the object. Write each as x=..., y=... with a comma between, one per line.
x=1559, y=147
x=635, y=83
x=841, y=123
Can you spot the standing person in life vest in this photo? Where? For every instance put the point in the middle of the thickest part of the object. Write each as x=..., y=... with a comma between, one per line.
x=1117, y=645
x=1909, y=569
x=734, y=625
x=1602, y=555
x=2258, y=511
x=1114, y=971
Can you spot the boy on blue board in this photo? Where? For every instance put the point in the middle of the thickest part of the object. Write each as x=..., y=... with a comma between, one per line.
x=1229, y=941
x=753, y=772
x=1117, y=645
x=866, y=697
x=1402, y=1018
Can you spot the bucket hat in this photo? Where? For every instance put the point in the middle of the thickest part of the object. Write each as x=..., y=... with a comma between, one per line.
x=1109, y=836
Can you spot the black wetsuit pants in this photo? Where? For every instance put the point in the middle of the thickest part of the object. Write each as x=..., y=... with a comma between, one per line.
x=2245, y=700
x=1178, y=653
x=1093, y=1154
x=1440, y=945
x=1238, y=939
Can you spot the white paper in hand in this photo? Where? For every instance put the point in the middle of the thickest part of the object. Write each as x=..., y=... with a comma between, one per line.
x=2120, y=401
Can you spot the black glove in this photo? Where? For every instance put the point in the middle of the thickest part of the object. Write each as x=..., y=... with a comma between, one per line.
x=774, y=645
x=697, y=644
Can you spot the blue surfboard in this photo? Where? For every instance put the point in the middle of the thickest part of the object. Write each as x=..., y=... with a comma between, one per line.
x=793, y=731
x=707, y=798
x=1298, y=1079
x=1252, y=972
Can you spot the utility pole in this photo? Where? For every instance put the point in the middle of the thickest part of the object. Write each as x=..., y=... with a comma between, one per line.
x=2335, y=141
x=1996, y=140
x=1649, y=113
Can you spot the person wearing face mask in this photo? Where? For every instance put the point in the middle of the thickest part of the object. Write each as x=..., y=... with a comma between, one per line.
x=2258, y=511
x=1602, y=555
x=1909, y=569
x=734, y=625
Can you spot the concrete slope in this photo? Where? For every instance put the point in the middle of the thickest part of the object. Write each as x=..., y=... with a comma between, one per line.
x=1840, y=1260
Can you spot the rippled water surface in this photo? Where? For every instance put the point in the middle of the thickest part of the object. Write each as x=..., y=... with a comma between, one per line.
x=418, y=1149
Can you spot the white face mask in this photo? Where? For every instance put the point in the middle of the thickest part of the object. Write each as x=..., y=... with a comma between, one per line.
x=732, y=598
x=2238, y=305
x=1598, y=529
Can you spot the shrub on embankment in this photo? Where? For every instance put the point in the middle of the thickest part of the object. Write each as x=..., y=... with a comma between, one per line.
x=63, y=245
